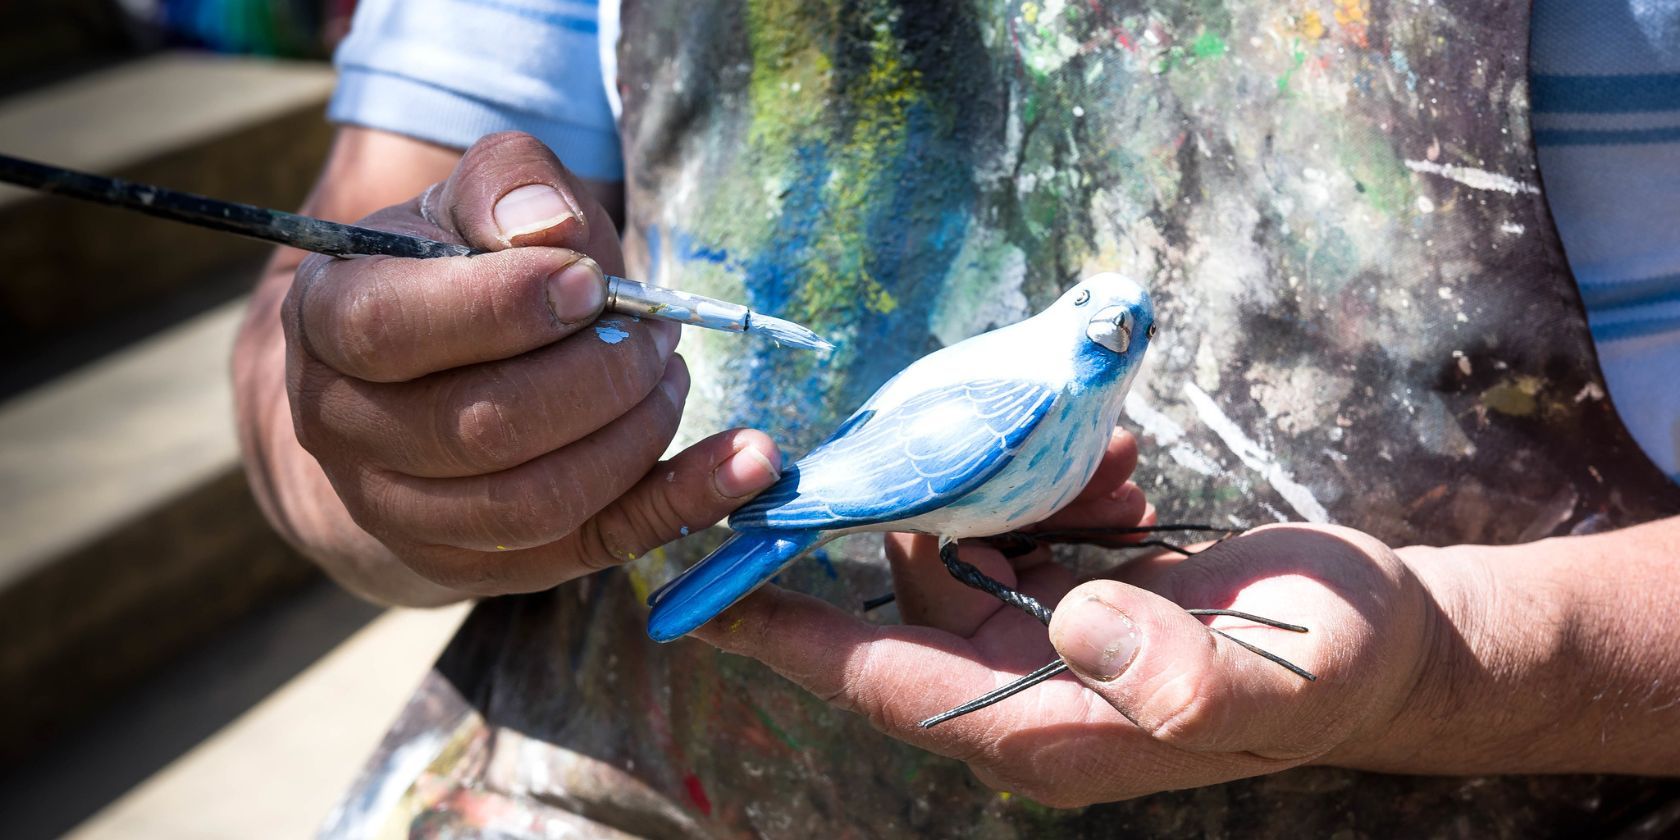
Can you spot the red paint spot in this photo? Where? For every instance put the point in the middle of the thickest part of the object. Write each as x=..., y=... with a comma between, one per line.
x=697, y=794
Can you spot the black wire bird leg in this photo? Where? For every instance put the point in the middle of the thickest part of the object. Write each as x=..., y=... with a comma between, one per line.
x=1020, y=543
x=968, y=574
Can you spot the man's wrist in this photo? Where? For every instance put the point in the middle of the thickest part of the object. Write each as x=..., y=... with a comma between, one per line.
x=1441, y=684
x=1538, y=661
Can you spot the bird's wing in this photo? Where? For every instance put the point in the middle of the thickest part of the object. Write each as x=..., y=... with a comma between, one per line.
x=904, y=461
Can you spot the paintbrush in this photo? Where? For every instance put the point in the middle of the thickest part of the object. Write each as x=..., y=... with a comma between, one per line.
x=626, y=297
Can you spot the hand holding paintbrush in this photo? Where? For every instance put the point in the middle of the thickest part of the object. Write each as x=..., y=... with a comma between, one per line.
x=430, y=428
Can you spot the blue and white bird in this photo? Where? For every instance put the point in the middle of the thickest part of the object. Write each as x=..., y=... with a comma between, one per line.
x=980, y=438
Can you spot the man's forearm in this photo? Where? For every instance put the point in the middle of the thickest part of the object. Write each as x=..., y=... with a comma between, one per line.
x=1555, y=656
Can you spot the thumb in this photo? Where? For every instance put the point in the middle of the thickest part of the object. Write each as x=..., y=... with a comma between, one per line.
x=1165, y=671
x=509, y=189
x=693, y=490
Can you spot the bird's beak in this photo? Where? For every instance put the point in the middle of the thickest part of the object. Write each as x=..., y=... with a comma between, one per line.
x=1111, y=327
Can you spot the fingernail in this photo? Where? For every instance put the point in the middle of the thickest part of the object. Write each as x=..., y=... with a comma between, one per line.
x=577, y=292
x=1098, y=640
x=745, y=473
x=529, y=209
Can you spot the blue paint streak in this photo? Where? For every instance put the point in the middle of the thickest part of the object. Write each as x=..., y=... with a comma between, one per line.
x=575, y=23
x=1625, y=330
x=914, y=232
x=1619, y=94
x=1606, y=137
x=1614, y=294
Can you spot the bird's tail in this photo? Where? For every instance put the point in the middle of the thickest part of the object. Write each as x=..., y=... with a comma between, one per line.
x=725, y=576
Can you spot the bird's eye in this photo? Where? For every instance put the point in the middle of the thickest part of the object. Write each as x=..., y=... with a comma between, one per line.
x=1082, y=298
x=1151, y=330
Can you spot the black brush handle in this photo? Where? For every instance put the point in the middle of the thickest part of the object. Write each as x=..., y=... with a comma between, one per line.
x=277, y=226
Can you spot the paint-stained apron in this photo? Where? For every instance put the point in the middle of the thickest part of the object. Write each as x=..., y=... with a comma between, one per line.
x=1366, y=318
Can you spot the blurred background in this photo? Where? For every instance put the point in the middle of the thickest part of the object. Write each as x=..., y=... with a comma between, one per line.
x=170, y=667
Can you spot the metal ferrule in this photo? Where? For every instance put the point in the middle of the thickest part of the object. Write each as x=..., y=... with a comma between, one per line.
x=631, y=298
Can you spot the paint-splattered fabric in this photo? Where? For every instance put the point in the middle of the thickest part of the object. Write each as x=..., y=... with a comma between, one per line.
x=1366, y=317
x=1607, y=124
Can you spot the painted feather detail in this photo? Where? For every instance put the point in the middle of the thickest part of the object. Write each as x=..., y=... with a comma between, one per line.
x=905, y=460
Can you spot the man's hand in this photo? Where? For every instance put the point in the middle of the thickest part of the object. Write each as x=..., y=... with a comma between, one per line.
x=1159, y=702
x=466, y=413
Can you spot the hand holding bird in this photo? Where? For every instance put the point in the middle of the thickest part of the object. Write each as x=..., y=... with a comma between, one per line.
x=979, y=438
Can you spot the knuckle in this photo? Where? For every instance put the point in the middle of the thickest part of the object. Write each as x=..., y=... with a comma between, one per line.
x=361, y=325
x=1188, y=717
x=524, y=515
x=600, y=546
x=478, y=433
x=373, y=502
x=505, y=142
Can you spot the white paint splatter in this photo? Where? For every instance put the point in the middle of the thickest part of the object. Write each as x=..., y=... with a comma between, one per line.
x=1512, y=228
x=610, y=332
x=1476, y=179
x=361, y=816
x=1256, y=458
x=1170, y=435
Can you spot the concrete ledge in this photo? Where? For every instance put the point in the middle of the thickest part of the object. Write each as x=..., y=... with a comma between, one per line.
x=99, y=618
x=130, y=531
x=242, y=129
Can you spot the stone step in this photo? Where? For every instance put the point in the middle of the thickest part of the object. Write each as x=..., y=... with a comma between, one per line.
x=242, y=129
x=257, y=733
x=130, y=532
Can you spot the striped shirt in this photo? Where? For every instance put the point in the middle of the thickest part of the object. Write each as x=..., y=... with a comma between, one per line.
x=1606, y=98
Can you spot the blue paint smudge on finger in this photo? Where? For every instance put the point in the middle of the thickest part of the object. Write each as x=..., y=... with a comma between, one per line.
x=610, y=332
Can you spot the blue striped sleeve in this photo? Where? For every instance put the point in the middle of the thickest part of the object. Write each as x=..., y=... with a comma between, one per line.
x=1605, y=85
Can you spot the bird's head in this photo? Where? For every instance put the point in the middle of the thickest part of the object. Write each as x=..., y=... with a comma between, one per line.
x=1114, y=317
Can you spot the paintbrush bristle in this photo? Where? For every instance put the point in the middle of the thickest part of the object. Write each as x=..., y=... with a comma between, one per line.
x=786, y=332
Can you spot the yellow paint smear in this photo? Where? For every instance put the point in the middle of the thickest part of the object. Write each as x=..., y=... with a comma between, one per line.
x=1516, y=398
x=1311, y=26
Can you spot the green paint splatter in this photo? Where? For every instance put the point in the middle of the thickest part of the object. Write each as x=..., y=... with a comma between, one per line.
x=780, y=733
x=1370, y=160
x=1299, y=57
x=1208, y=45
